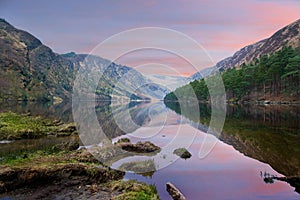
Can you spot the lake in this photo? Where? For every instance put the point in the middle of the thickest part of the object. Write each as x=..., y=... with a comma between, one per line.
x=256, y=142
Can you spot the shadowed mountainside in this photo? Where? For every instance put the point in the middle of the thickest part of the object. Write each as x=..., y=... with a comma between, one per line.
x=30, y=70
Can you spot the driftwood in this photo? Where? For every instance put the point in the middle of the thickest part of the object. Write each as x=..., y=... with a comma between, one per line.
x=174, y=192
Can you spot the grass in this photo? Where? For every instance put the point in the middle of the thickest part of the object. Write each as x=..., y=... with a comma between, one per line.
x=132, y=190
x=123, y=140
x=49, y=165
x=21, y=126
x=59, y=164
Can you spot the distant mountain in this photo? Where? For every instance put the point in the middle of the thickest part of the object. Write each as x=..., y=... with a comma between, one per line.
x=170, y=82
x=30, y=70
x=202, y=74
x=287, y=36
x=118, y=80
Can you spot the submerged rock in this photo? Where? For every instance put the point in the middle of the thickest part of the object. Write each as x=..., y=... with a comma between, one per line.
x=140, y=167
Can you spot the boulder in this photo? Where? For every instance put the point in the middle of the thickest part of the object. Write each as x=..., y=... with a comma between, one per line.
x=182, y=153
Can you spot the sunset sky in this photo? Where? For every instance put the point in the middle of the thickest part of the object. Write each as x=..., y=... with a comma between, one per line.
x=221, y=27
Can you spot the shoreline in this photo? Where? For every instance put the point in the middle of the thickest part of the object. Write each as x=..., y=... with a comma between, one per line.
x=63, y=170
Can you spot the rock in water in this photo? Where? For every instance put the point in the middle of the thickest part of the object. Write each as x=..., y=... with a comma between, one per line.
x=182, y=153
x=174, y=192
x=139, y=147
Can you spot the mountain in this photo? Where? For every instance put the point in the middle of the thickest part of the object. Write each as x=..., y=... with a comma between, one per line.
x=265, y=71
x=202, y=74
x=30, y=70
x=170, y=82
x=117, y=80
x=287, y=36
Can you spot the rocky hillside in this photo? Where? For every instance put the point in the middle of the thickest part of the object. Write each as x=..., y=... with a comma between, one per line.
x=287, y=36
x=30, y=70
x=117, y=80
x=202, y=74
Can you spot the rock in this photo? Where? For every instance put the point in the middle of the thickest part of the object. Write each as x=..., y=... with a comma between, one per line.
x=182, y=153
x=94, y=188
x=140, y=147
x=139, y=167
x=174, y=192
x=68, y=128
x=73, y=145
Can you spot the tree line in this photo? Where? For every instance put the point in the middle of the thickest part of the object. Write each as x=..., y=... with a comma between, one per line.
x=277, y=74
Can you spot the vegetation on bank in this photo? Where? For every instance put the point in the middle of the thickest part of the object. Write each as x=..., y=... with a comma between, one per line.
x=15, y=126
x=62, y=165
x=270, y=76
x=131, y=190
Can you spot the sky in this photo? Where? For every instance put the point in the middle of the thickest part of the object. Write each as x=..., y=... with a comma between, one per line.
x=221, y=27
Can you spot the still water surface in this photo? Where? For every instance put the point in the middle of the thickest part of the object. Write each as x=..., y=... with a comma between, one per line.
x=256, y=140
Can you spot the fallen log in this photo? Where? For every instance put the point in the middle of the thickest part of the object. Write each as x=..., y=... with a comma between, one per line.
x=174, y=192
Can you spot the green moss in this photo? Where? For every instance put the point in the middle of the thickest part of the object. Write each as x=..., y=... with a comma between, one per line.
x=132, y=190
x=29, y=158
x=123, y=140
x=17, y=126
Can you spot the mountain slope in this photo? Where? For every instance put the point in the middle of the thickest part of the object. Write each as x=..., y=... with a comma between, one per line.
x=171, y=82
x=30, y=70
x=268, y=70
x=118, y=80
x=287, y=36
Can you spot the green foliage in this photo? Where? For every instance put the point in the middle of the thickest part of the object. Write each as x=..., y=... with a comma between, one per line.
x=132, y=190
x=270, y=74
x=123, y=140
x=17, y=126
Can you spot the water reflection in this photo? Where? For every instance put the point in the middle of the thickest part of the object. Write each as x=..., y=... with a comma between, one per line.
x=269, y=134
x=62, y=111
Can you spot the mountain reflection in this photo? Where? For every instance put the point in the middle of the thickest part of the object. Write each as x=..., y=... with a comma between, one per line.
x=267, y=133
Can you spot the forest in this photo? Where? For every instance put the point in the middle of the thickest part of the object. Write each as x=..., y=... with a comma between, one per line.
x=275, y=76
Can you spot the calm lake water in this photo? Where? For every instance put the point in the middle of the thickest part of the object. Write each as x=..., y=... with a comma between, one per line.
x=256, y=141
